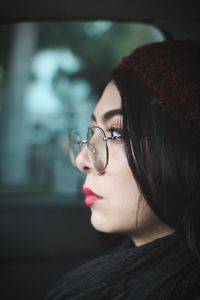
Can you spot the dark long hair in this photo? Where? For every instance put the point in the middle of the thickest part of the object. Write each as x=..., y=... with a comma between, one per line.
x=163, y=157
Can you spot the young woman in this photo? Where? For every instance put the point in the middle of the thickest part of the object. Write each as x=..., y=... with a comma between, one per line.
x=142, y=164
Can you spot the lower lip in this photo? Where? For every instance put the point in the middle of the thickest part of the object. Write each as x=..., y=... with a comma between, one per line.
x=91, y=200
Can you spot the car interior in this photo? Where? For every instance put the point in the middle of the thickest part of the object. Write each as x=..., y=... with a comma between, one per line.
x=55, y=57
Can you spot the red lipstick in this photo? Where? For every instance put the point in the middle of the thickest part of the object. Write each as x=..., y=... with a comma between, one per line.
x=91, y=198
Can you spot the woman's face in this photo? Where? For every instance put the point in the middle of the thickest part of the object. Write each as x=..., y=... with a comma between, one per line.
x=120, y=207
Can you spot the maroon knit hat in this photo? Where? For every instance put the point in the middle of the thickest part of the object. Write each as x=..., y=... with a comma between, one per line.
x=172, y=70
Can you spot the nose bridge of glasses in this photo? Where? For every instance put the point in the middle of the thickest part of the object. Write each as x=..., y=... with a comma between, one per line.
x=83, y=141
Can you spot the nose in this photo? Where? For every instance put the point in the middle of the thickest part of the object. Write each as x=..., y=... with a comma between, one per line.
x=83, y=162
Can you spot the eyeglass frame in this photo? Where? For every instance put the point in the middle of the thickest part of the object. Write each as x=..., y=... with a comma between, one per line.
x=86, y=142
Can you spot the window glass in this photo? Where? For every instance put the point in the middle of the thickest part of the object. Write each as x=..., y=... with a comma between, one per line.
x=50, y=78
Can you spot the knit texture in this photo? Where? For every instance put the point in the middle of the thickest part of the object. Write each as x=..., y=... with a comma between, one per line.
x=163, y=269
x=172, y=70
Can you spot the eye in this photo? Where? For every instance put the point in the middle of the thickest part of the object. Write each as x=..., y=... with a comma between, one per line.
x=116, y=132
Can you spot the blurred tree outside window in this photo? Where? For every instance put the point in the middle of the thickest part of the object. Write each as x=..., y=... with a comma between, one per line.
x=51, y=75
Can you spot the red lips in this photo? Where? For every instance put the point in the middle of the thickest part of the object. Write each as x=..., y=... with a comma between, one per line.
x=91, y=198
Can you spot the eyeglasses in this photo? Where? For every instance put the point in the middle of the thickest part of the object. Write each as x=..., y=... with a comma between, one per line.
x=96, y=143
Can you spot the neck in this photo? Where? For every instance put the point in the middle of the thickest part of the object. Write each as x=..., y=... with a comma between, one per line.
x=151, y=235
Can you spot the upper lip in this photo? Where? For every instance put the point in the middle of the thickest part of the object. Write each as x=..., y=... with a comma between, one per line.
x=88, y=192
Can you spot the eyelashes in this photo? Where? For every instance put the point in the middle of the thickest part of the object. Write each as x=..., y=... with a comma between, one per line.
x=115, y=131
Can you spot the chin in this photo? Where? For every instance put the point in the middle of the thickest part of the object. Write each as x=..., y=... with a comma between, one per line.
x=104, y=226
x=101, y=225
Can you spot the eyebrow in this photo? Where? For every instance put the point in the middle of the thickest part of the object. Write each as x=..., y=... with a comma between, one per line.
x=108, y=115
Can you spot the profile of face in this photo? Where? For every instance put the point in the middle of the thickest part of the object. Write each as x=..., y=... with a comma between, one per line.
x=118, y=205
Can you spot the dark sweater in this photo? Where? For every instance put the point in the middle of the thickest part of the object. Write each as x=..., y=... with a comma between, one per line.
x=162, y=269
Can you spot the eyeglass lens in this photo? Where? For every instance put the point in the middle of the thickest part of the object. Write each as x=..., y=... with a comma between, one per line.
x=97, y=148
x=75, y=146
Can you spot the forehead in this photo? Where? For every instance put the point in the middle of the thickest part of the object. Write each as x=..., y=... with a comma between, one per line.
x=109, y=100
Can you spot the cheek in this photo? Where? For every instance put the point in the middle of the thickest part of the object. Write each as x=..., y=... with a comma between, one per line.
x=134, y=213
x=121, y=205
x=126, y=189
x=118, y=167
x=120, y=178
x=127, y=196
x=119, y=171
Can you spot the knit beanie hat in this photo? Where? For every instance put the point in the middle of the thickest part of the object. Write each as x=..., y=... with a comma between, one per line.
x=172, y=70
